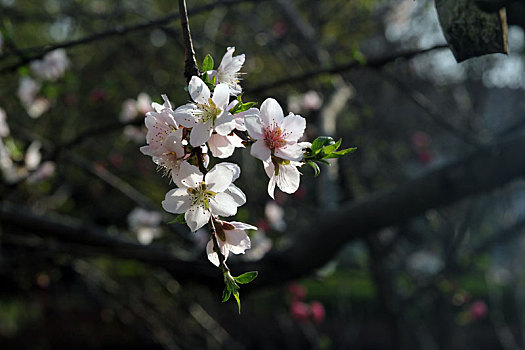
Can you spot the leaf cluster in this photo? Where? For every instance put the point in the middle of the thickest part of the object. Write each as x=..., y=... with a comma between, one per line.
x=323, y=148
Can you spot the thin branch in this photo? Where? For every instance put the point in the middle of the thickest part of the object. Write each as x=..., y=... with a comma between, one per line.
x=190, y=65
x=435, y=114
x=371, y=62
x=118, y=31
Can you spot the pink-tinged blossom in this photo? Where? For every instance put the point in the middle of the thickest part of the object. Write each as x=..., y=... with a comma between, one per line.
x=52, y=66
x=199, y=196
x=299, y=311
x=317, y=312
x=276, y=135
x=132, y=108
x=478, y=310
x=160, y=124
x=231, y=237
x=169, y=155
x=206, y=114
x=228, y=71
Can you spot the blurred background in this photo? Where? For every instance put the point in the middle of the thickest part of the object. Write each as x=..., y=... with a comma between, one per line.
x=88, y=261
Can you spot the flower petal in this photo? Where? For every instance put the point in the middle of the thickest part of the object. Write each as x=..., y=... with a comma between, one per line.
x=196, y=217
x=288, y=178
x=212, y=256
x=237, y=194
x=190, y=176
x=224, y=124
x=199, y=92
x=237, y=241
x=294, y=126
x=218, y=178
x=177, y=201
x=220, y=146
x=184, y=115
x=254, y=126
x=291, y=151
x=271, y=113
x=201, y=133
x=221, y=95
x=223, y=204
x=242, y=226
x=260, y=150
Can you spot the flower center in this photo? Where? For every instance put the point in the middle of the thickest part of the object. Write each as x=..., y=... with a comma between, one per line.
x=274, y=137
x=201, y=195
x=208, y=111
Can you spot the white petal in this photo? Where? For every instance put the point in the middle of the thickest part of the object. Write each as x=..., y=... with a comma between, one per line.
x=199, y=92
x=271, y=113
x=224, y=124
x=223, y=205
x=220, y=146
x=237, y=241
x=293, y=126
x=184, y=115
x=242, y=226
x=196, y=217
x=177, y=201
x=212, y=256
x=221, y=95
x=233, y=167
x=290, y=151
x=190, y=176
x=254, y=127
x=237, y=194
x=201, y=133
x=227, y=58
x=288, y=178
x=271, y=186
x=260, y=150
x=218, y=178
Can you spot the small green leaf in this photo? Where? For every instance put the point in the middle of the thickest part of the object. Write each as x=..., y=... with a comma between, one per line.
x=314, y=166
x=328, y=149
x=320, y=142
x=226, y=293
x=341, y=153
x=207, y=63
x=238, y=299
x=242, y=107
x=178, y=220
x=246, y=277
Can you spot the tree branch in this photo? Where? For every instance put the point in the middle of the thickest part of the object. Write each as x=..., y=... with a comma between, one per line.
x=371, y=62
x=482, y=171
x=29, y=55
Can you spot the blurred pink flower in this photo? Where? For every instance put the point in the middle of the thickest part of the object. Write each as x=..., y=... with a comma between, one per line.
x=478, y=310
x=297, y=291
x=299, y=311
x=317, y=312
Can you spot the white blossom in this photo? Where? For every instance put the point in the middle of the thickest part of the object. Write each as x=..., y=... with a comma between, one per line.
x=52, y=66
x=275, y=134
x=228, y=71
x=231, y=237
x=201, y=196
x=145, y=224
x=206, y=114
x=284, y=174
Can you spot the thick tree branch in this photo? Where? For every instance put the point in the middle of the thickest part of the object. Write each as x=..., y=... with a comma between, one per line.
x=482, y=171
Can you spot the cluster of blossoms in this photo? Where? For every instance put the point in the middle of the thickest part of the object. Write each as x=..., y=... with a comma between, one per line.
x=178, y=140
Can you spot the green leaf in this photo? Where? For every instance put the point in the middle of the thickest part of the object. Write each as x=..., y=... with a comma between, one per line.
x=178, y=220
x=207, y=63
x=314, y=166
x=341, y=153
x=327, y=150
x=238, y=108
x=238, y=299
x=246, y=277
x=320, y=142
x=226, y=293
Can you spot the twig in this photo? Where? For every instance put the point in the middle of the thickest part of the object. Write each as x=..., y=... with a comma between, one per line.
x=190, y=65
x=122, y=30
x=432, y=111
